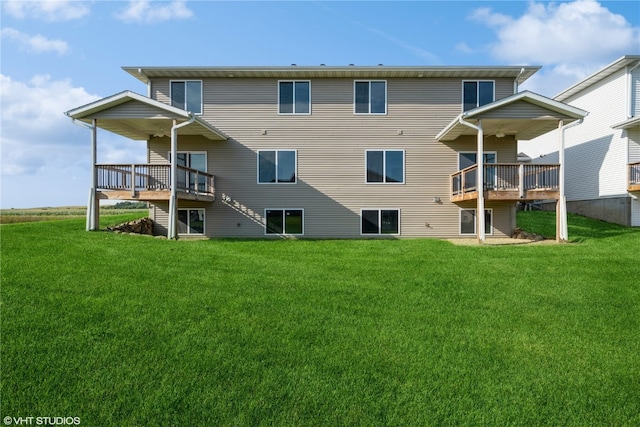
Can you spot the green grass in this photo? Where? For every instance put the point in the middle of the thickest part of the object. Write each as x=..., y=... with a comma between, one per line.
x=131, y=330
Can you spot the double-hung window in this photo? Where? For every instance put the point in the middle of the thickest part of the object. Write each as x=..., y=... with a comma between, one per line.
x=385, y=166
x=370, y=97
x=468, y=221
x=294, y=97
x=284, y=221
x=380, y=221
x=190, y=221
x=276, y=166
x=187, y=95
x=477, y=93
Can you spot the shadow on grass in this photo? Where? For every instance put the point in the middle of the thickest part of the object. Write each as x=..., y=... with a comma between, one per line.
x=581, y=228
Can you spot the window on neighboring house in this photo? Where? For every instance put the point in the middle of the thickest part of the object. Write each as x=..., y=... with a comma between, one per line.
x=284, y=221
x=294, y=97
x=468, y=221
x=190, y=221
x=187, y=95
x=276, y=166
x=370, y=97
x=385, y=166
x=380, y=221
x=477, y=93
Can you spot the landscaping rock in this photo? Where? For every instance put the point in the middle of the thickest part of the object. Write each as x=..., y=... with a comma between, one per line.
x=138, y=226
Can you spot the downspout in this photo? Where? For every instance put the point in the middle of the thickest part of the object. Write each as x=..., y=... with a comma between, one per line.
x=479, y=179
x=630, y=108
x=515, y=82
x=148, y=82
x=173, y=205
x=563, y=230
x=92, y=222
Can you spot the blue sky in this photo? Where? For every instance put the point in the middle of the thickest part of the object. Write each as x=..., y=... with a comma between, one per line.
x=57, y=55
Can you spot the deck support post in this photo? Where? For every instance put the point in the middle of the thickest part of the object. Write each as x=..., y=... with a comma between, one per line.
x=93, y=205
x=562, y=233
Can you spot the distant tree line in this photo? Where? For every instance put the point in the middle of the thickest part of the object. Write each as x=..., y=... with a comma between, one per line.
x=128, y=205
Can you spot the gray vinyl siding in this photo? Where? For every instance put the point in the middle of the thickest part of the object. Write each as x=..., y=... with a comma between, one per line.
x=131, y=109
x=331, y=144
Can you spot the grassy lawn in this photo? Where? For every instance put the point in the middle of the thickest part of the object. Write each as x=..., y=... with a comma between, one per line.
x=131, y=331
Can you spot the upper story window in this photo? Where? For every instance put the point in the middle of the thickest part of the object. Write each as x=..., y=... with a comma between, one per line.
x=477, y=93
x=187, y=95
x=276, y=166
x=370, y=97
x=385, y=166
x=294, y=97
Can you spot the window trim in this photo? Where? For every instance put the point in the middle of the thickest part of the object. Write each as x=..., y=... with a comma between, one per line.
x=276, y=181
x=294, y=113
x=475, y=223
x=477, y=93
x=284, y=233
x=379, y=233
x=185, y=84
x=386, y=98
x=384, y=166
x=204, y=221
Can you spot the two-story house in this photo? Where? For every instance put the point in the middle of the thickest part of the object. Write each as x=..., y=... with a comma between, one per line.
x=328, y=152
x=602, y=154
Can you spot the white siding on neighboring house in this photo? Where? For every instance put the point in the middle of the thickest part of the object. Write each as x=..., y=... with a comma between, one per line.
x=634, y=144
x=595, y=153
x=635, y=212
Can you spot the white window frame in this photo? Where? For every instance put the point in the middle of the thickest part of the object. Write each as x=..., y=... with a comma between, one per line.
x=386, y=98
x=294, y=97
x=171, y=82
x=204, y=221
x=475, y=223
x=295, y=152
x=477, y=92
x=384, y=166
x=379, y=233
x=284, y=233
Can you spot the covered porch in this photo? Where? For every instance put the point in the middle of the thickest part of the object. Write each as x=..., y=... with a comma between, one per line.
x=138, y=117
x=522, y=116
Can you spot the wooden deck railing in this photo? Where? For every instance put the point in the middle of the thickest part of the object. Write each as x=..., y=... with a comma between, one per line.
x=512, y=177
x=153, y=177
x=634, y=176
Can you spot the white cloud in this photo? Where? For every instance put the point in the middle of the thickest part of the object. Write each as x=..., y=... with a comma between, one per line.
x=37, y=43
x=41, y=146
x=572, y=40
x=48, y=10
x=145, y=11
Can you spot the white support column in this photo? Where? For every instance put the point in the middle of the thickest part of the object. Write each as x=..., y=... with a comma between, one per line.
x=480, y=185
x=173, y=208
x=562, y=233
x=93, y=205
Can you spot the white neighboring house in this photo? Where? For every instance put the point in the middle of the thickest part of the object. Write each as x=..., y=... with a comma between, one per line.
x=603, y=154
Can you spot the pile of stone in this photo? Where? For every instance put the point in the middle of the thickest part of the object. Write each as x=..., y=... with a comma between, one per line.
x=519, y=233
x=138, y=226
